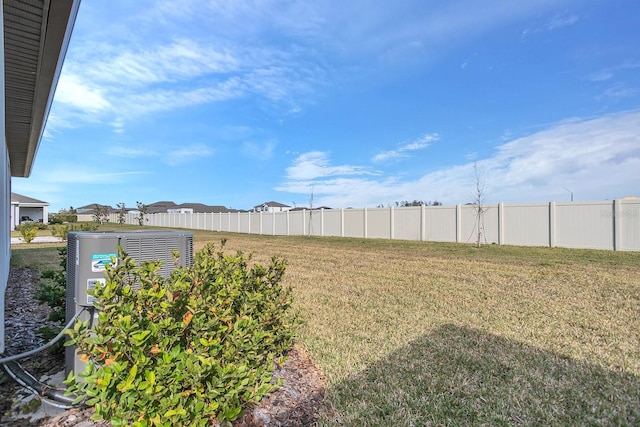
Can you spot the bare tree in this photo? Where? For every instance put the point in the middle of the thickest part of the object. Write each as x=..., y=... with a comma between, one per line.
x=479, y=204
x=122, y=212
x=101, y=214
x=311, y=212
x=142, y=212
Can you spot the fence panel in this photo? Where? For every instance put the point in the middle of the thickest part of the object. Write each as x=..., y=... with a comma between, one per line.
x=525, y=225
x=354, y=222
x=629, y=222
x=297, y=226
x=378, y=223
x=584, y=225
x=332, y=222
x=440, y=224
x=407, y=223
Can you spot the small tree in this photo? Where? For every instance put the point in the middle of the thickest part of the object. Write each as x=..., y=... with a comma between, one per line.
x=479, y=205
x=122, y=212
x=101, y=214
x=142, y=213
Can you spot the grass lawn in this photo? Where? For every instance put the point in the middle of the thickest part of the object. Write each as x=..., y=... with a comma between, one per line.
x=411, y=333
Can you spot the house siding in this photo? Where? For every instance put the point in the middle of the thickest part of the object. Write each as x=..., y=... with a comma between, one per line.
x=5, y=193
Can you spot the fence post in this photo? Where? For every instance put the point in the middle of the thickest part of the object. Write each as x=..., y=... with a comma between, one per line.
x=501, y=223
x=364, y=211
x=423, y=212
x=552, y=224
x=322, y=222
x=617, y=225
x=458, y=223
x=342, y=222
x=288, y=232
x=391, y=223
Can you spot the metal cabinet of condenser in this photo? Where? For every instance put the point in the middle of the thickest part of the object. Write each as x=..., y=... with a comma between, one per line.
x=88, y=253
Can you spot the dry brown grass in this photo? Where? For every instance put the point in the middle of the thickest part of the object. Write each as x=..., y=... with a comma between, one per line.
x=413, y=333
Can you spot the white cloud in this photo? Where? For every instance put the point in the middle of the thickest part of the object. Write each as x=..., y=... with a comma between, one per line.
x=188, y=53
x=596, y=158
x=620, y=91
x=561, y=21
x=132, y=152
x=261, y=151
x=188, y=153
x=403, y=150
x=315, y=164
x=72, y=90
x=72, y=174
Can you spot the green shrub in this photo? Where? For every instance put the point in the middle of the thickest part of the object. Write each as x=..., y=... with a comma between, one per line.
x=189, y=350
x=86, y=226
x=28, y=231
x=52, y=291
x=62, y=218
x=60, y=230
x=55, y=219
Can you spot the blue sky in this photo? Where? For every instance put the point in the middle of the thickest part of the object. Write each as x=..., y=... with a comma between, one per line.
x=359, y=103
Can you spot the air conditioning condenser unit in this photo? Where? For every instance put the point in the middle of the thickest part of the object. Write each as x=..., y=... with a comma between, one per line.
x=88, y=254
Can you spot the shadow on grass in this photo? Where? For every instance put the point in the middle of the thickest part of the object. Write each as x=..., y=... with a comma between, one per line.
x=463, y=376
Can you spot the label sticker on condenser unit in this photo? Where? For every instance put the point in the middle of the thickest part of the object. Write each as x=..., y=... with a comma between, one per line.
x=91, y=284
x=100, y=261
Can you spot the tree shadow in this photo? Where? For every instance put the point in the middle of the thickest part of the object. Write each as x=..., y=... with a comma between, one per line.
x=463, y=376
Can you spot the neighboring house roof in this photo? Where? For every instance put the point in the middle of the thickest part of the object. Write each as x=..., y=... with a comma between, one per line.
x=161, y=207
x=272, y=204
x=302, y=208
x=24, y=200
x=36, y=36
x=91, y=208
x=202, y=208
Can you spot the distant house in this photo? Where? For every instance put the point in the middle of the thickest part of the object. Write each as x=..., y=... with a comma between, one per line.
x=161, y=207
x=304, y=208
x=271, y=207
x=172, y=207
x=91, y=209
x=25, y=208
x=180, y=210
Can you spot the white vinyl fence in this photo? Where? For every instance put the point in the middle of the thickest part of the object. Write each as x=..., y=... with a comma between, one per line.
x=611, y=225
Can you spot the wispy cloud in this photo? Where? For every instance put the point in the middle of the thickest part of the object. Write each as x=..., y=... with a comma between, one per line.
x=132, y=152
x=75, y=92
x=561, y=21
x=316, y=164
x=619, y=91
x=188, y=153
x=403, y=150
x=190, y=53
x=262, y=151
x=593, y=157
